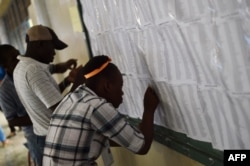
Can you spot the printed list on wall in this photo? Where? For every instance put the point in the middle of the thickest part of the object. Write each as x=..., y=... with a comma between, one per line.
x=196, y=54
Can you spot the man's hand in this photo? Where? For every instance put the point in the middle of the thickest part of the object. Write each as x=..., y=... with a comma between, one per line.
x=79, y=79
x=64, y=66
x=73, y=74
x=150, y=100
x=70, y=78
x=70, y=64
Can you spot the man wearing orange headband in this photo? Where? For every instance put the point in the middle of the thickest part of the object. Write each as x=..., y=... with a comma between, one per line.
x=87, y=119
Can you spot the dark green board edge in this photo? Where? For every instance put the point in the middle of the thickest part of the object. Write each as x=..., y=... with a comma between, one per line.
x=200, y=151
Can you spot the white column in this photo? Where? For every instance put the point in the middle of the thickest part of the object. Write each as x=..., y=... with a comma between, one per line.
x=3, y=35
x=38, y=12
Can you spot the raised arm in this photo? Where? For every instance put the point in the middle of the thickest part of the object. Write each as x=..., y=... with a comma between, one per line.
x=71, y=78
x=147, y=124
x=64, y=66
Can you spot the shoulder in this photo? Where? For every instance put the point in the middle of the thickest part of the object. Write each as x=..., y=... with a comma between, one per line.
x=30, y=71
x=28, y=67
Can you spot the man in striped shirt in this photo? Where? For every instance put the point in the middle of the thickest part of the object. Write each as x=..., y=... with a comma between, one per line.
x=87, y=118
x=36, y=88
x=10, y=103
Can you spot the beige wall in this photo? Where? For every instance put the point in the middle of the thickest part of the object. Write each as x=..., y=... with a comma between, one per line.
x=59, y=17
x=159, y=155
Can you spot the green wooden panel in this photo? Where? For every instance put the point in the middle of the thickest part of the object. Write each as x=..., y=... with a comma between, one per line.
x=200, y=151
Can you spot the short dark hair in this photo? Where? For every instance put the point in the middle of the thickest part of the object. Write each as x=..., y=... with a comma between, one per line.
x=4, y=52
x=95, y=63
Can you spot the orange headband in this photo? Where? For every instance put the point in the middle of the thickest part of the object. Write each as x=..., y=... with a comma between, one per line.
x=96, y=71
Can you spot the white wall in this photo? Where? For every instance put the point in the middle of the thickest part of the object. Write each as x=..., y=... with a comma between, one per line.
x=3, y=37
x=194, y=53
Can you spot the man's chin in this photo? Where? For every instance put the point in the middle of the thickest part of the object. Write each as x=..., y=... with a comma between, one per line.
x=117, y=105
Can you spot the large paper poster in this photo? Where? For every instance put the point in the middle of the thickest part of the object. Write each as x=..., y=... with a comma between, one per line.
x=196, y=54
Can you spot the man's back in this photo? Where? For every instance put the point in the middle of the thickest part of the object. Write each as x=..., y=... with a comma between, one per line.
x=80, y=127
x=37, y=90
x=9, y=99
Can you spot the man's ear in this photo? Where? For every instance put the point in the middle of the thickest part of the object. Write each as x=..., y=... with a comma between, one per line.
x=107, y=86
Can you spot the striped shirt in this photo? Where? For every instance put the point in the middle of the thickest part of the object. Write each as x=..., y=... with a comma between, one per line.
x=37, y=90
x=79, y=127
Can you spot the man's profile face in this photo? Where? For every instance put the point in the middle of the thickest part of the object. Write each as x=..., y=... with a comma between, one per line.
x=116, y=93
x=47, y=52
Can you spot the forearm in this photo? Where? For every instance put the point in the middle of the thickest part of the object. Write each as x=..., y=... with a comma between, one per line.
x=64, y=84
x=20, y=121
x=63, y=67
x=56, y=68
x=147, y=129
x=113, y=144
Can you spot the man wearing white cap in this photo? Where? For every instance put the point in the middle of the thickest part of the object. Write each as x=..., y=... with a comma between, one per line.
x=36, y=88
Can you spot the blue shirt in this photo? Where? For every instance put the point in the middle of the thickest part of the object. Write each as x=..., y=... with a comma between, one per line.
x=10, y=103
x=13, y=108
x=2, y=72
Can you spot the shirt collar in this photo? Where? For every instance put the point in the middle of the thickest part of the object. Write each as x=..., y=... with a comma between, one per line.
x=83, y=87
x=31, y=60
